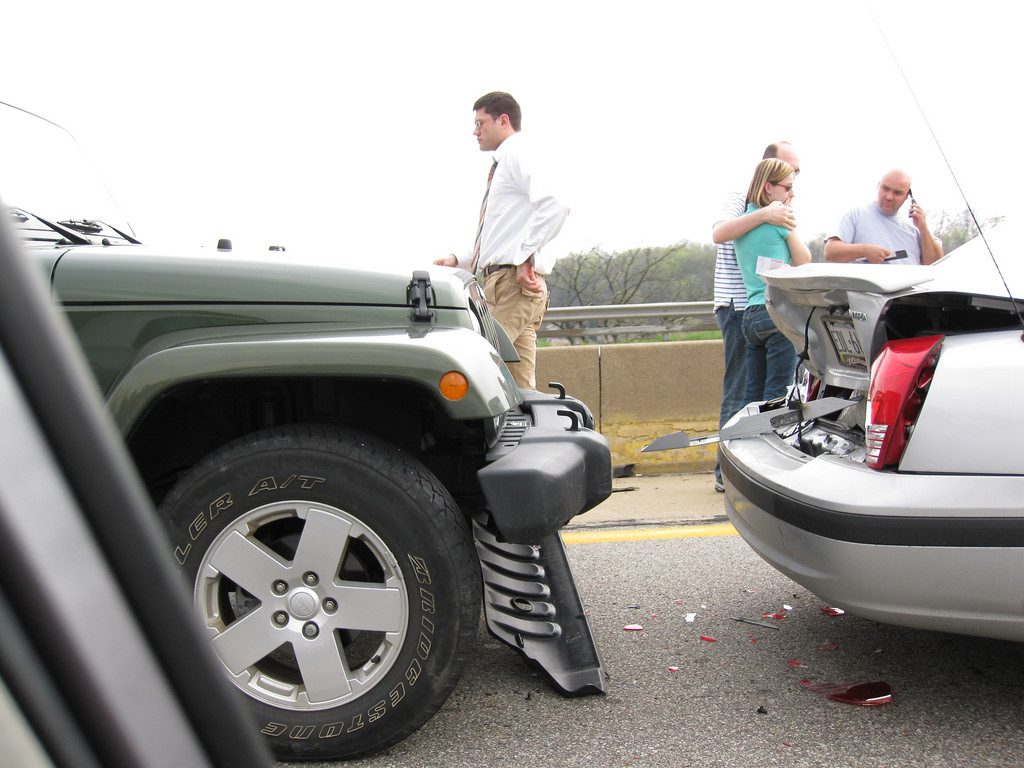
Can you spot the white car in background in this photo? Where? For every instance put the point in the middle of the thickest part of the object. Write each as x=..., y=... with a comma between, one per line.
x=907, y=507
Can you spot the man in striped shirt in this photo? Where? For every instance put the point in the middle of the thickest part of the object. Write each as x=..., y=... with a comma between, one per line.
x=730, y=295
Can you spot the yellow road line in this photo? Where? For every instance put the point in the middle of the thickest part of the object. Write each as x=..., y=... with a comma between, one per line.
x=607, y=535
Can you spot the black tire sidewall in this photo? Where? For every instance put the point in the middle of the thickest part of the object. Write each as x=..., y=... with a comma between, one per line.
x=413, y=515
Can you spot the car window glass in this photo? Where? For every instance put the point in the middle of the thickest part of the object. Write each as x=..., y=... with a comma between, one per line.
x=47, y=173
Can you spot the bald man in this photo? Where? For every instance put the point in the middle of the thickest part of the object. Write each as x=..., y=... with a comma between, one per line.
x=877, y=234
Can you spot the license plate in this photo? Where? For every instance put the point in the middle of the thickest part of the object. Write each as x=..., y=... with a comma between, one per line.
x=845, y=342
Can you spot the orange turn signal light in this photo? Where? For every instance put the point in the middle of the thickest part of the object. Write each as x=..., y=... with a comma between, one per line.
x=454, y=385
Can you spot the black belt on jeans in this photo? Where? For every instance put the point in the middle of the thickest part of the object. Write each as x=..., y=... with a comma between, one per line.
x=495, y=267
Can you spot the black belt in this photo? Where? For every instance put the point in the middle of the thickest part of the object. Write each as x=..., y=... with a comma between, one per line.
x=495, y=267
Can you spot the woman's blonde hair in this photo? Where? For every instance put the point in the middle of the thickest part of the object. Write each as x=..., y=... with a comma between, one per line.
x=771, y=169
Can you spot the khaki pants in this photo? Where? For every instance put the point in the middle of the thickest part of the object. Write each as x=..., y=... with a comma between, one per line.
x=520, y=313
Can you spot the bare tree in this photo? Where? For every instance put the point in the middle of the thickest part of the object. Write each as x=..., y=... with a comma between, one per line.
x=956, y=229
x=635, y=276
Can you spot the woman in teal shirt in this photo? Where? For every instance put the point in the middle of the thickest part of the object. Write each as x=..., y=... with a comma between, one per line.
x=771, y=359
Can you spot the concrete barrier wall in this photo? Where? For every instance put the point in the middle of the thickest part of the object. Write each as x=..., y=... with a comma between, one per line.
x=641, y=391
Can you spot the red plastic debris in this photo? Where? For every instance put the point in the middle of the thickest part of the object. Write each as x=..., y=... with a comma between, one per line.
x=865, y=693
x=708, y=639
x=793, y=663
x=680, y=602
x=752, y=638
x=833, y=611
x=673, y=669
x=777, y=615
x=632, y=628
x=654, y=615
x=828, y=646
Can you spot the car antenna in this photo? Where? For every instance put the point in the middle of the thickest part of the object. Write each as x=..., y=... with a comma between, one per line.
x=949, y=166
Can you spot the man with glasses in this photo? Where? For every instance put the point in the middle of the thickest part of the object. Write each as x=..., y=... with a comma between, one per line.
x=876, y=234
x=518, y=216
x=730, y=293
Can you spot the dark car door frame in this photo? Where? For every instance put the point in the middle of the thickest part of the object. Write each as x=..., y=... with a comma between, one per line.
x=101, y=650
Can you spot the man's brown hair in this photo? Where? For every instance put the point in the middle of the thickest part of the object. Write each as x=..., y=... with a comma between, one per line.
x=498, y=103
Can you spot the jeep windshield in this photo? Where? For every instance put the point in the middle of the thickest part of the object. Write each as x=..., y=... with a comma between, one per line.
x=52, y=191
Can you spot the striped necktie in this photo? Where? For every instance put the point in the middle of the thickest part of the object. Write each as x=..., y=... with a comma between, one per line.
x=480, y=227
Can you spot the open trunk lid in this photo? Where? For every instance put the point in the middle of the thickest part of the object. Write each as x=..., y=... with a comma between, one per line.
x=832, y=312
x=839, y=313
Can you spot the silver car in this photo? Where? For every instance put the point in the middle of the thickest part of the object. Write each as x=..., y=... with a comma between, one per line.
x=906, y=507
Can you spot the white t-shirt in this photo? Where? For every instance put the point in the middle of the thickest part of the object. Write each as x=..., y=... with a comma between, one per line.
x=868, y=225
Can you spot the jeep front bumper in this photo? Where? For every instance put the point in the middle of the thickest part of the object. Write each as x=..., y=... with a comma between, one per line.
x=547, y=466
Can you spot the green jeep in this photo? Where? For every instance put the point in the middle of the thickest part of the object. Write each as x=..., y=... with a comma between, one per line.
x=345, y=468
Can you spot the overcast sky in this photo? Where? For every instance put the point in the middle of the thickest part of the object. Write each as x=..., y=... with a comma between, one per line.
x=345, y=129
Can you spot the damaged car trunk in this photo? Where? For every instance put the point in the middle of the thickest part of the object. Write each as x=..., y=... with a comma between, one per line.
x=905, y=506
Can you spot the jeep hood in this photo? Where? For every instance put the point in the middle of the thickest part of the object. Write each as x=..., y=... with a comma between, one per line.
x=838, y=311
x=140, y=274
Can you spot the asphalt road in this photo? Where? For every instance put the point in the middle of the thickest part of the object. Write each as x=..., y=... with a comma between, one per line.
x=734, y=702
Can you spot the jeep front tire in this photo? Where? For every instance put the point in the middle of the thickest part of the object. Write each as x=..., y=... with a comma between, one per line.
x=337, y=581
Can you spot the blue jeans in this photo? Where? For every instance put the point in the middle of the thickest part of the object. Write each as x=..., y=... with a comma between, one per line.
x=771, y=359
x=730, y=321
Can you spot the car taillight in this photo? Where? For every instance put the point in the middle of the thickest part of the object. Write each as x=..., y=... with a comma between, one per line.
x=900, y=377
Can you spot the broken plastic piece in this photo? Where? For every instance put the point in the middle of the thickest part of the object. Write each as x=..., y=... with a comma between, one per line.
x=690, y=617
x=777, y=615
x=632, y=628
x=673, y=669
x=828, y=646
x=787, y=607
x=708, y=639
x=866, y=693
x=833, y=611
x=793, y=663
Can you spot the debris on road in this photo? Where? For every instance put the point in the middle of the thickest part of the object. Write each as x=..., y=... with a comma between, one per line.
x=833, y=611
x=865, y=693
x=632, y=628
x=755, y=623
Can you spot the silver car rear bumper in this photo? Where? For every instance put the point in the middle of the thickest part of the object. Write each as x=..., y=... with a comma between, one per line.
x=942, y=552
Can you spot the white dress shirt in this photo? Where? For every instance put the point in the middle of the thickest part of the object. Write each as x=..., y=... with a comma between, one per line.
x=522, y=215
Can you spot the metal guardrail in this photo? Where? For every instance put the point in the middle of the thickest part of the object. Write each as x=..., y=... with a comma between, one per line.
x=612, y=320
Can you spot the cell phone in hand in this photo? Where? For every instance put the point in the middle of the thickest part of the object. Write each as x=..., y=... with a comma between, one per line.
x=896, y=256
